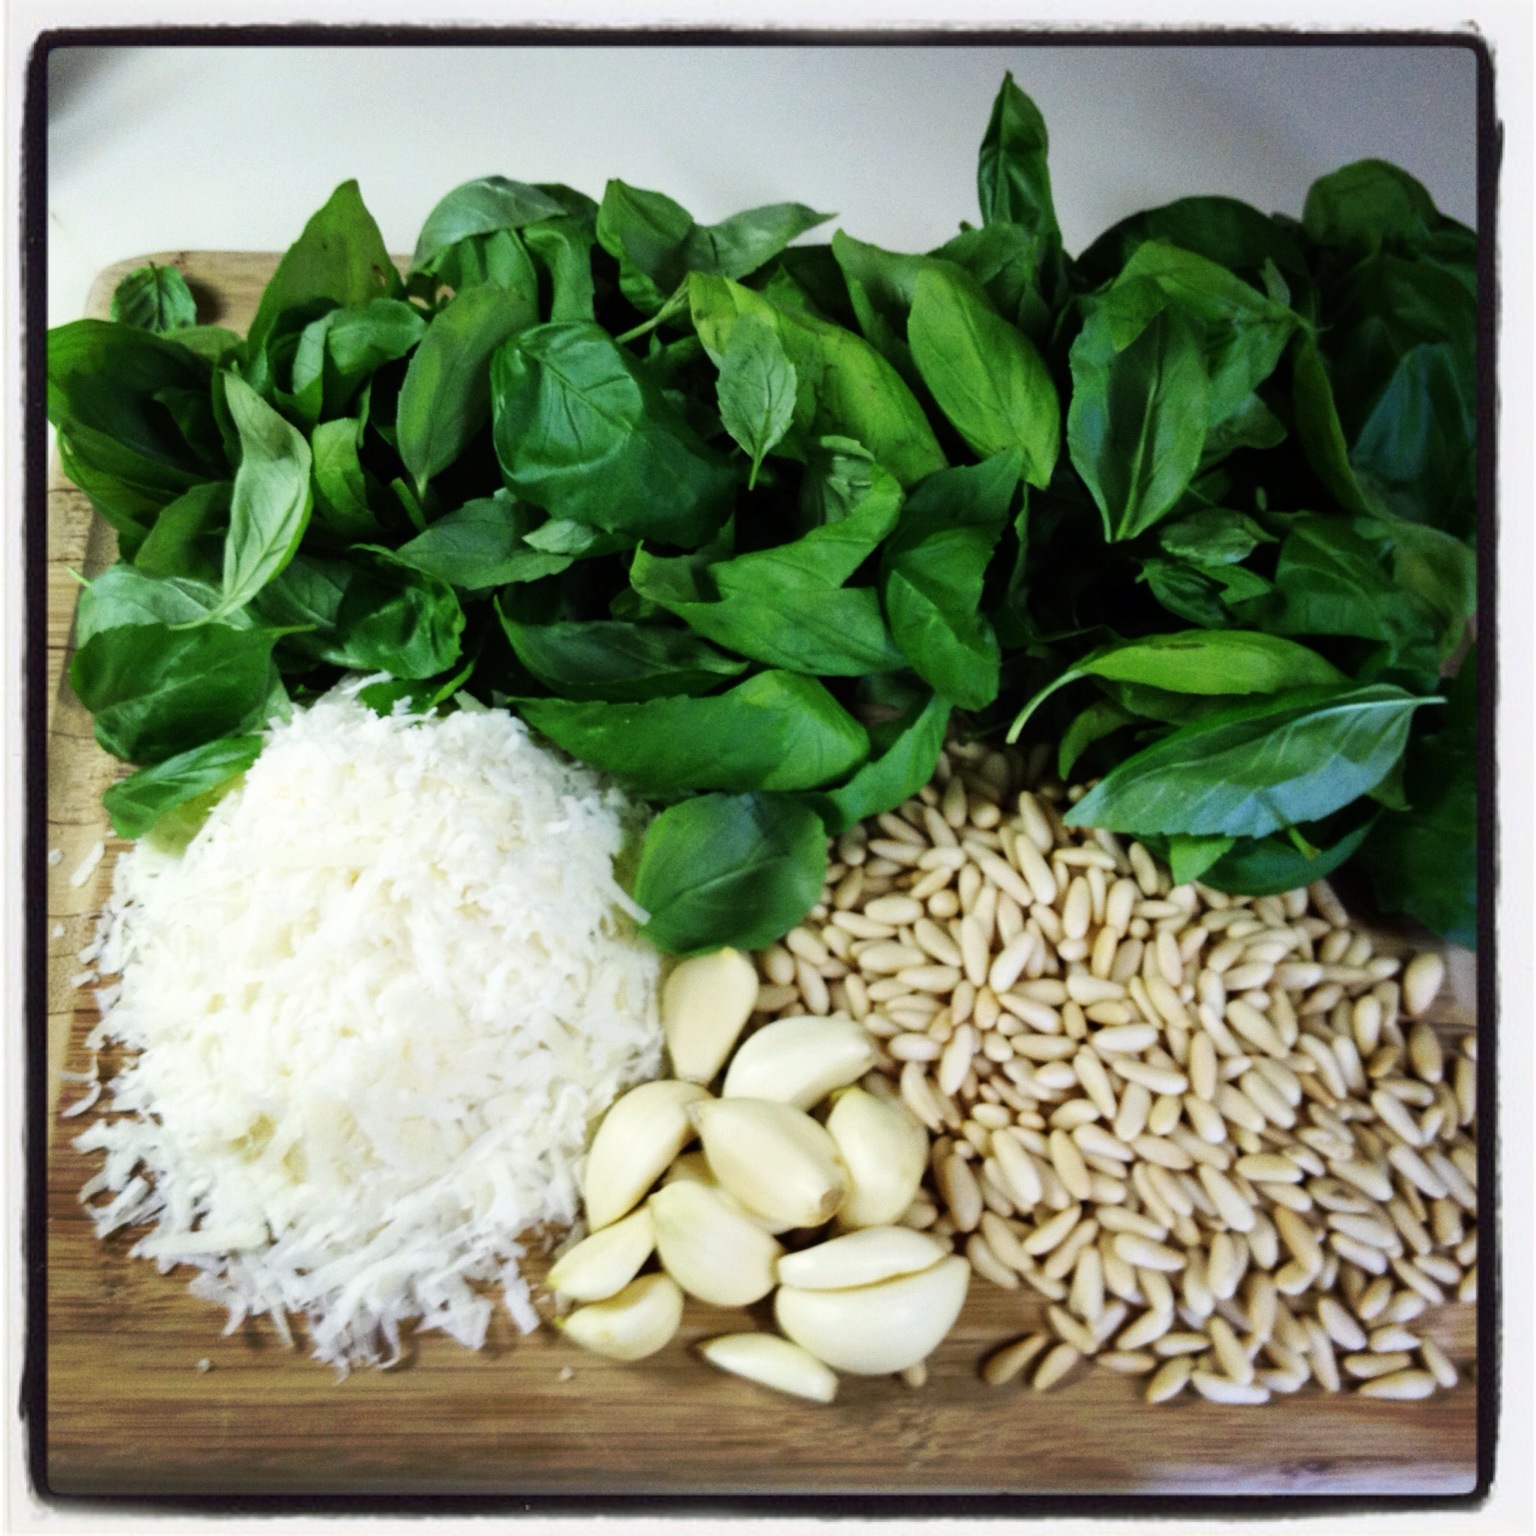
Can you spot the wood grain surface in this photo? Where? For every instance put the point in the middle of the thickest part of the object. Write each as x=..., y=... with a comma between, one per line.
x=129, y=1412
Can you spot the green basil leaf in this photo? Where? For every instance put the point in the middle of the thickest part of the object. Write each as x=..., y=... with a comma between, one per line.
x=582, y=431
x=123, y=596
x=1213, y=536
x=1214, y=662
x=271, y=503
x=657, y=243
x=419, y=694
x=1136, y=424
x=738, y=870
x=564, y=248
x=1270, y=866
x=1013, y=178
x=485, y=543
x=371, y=612
x=341, y=349
x=188, y=535
x=787, y=606
x=136, y=803
x=446, y=397
x=341, y=485
x=1361, y=207
x=755, y=390
x=154, y=299
x=1437, y=571
x=340, y=256
x=1191, y=857
x=774, y=731
x=1257, y=768
x=617, y=662
x=215, y=344
x=932, y=570
x=481, y=207
x=986, y=376
x=1423, y=861
x=844, y=387
x=157, y=691
x=1101, y=718
x=900, y=767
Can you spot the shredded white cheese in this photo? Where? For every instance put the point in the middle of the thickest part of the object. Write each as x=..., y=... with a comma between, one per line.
x=372, y=1009
x=87, y=866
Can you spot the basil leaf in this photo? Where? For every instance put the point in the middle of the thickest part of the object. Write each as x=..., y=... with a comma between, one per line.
x=340, y=256
x=1101, y=718
x=1214, y=662
x=738, y=870
x=774, y=731
x=485, y=543
x=371, y=612
x=904, y=754
x=157, y=691
x=564, y=248
x=787, y=606
x=480, y=207
x=188, y=535
x=1257, y=768
x=617, y=662
x=136, y=803
x=341, y=349
x=1270, y=866
x=845, y=388
x=1423, y=861
x=657, y=243
x=1013, y=179
x=1213, y=536
x=1136, y=424
x=341, y=485
x=932, y=569
x=756, y=390
x=1363, y=206
x=1191, y=857
x=985, y=375
x=153, y=298
x=118, y=441
x=582, y=431
x=123, y=596
x=271, y=503
x=446, y=397
x=419, y=694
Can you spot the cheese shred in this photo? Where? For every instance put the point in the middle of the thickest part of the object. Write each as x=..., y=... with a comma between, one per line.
x=368, y=1014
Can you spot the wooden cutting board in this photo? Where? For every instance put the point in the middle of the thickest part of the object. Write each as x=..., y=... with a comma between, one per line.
x=143, y=1396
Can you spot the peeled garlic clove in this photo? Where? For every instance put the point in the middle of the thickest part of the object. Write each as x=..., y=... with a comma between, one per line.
x=884, y=1147
x=709, y=1247
x=705, y=1003
x=693, y=1167
x=772, y=1362
x=639, y=1136
x=865, y=1257
x=637, y=1322
x=876, y=1330
x=601, y=1265
x=799, y=1060
x=773, y=1158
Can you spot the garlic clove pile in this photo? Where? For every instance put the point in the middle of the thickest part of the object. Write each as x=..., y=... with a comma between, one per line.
x=773, y=1158
x=705, y=1004
x=799, y=1060
x=639, y=1137
x=601, y=1265
x=641, y=1319
x=712, y=1250
x=876, y=1330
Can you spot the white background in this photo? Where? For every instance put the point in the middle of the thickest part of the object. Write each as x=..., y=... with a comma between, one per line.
x=163, y=152
x=233, y=148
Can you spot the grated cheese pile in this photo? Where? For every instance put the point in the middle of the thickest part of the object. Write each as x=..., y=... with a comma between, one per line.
x=371, y=1011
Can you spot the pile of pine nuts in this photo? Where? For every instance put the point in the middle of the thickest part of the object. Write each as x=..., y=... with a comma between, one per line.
x=1212, y=1132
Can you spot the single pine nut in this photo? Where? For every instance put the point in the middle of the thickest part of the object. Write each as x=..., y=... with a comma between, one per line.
x=1003, y=1365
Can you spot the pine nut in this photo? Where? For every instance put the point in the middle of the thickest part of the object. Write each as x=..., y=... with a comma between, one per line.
x=1003, y=1365
x=1220, y=1389
x=1061, y=1360
x=1169, y=1379
x=1399, y=1385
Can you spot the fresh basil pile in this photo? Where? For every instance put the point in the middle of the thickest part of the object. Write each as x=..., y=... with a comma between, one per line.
x=742, y=522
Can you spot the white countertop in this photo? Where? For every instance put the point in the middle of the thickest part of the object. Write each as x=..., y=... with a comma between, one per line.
x=160, y=148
